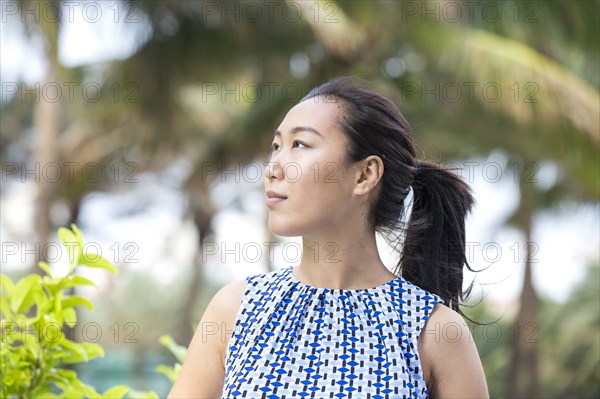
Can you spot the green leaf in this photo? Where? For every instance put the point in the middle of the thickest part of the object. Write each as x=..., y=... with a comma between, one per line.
x=42, y=304
x=97, y=261
x=74, y=280
x=78, y=352
x=72, y=353
x=5, y=309
x=116, y=392
x=77, y=233
x=72, y=244
x=67, y=375
x=48, y=332
x=69, y=317
x=45, y=267
x=67, y=236
x=76, y=300
x=58, y=307
x=92, y=350
x=6, y=289
x=177, y=350
x=6, y=285
x=23, y=297
x=52, y=285
x=170, y=372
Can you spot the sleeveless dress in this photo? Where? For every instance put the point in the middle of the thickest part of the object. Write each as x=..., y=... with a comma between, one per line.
x=292, y=340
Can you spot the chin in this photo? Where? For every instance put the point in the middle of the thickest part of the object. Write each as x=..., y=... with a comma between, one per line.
x=284, y=229
x=282, y=232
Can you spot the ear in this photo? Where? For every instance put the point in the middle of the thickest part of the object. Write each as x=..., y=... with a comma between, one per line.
x=368, y=173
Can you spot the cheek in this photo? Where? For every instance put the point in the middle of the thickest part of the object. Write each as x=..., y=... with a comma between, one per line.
x=323, y=185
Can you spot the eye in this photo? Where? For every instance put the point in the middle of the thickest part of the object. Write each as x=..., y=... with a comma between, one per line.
x=298, y=142
x=274, y=146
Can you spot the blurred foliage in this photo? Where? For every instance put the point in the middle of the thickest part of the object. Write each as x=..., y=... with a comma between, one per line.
x=35, y=351
x=570, y=340
x=568, y=335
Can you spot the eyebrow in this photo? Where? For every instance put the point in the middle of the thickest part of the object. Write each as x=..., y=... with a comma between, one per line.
x=299, y=129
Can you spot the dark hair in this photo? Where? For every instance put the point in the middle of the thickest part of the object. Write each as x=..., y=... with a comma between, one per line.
x=433, y=248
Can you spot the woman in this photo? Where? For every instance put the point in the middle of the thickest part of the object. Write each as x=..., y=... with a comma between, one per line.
x=340, y=324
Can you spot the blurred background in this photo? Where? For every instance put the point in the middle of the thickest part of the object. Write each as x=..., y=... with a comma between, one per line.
x=148, y=124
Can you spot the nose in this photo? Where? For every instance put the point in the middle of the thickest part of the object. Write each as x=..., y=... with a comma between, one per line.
x=273, y=170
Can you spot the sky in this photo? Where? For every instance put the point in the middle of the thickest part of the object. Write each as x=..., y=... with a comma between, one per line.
x=157, y=235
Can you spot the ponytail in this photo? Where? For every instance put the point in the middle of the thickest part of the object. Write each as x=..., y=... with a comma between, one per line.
x=433, y=253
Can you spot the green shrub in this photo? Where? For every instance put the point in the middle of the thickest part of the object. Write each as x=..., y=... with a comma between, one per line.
x=33, y=312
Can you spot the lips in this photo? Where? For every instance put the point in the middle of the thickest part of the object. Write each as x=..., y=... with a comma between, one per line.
x=273, y=194
x=275, y=198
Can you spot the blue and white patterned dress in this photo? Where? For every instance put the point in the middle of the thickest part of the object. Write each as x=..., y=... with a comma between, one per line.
x=292, y=340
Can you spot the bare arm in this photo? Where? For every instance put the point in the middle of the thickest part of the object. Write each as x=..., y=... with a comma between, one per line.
x=203, y=371
x=449, y=357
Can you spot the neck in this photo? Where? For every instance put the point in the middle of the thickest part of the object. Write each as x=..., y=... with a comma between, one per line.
x=348, y=261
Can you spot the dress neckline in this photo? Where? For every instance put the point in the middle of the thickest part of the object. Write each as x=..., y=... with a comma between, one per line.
x=292, y=277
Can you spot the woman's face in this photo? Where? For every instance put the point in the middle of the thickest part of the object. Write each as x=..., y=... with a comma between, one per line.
x=309, y=186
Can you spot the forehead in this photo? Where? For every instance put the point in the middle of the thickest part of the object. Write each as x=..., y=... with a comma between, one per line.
x=317, y=112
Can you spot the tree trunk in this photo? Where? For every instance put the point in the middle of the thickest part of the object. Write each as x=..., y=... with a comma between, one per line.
x=202, y=219
x=523, y=381
x=47, y=125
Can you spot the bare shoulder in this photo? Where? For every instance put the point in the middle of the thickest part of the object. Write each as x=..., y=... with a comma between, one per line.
x=443, y=316
x=449, y=357
x=229, y=297
x=202, y=373
x=224, y=307
x=445, y=330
